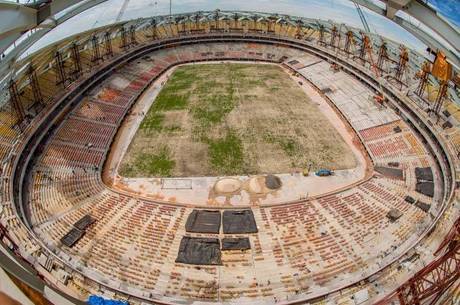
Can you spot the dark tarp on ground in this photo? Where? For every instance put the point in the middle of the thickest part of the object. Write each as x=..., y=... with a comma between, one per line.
x=236, y=243
x=203, y=221
x=447, y=125
x=397, y=129
x=239, y=221
x=293, y=62
x=424, y=173
x=423, y=206
x=199, y=251
x=394, y=214
x=395, y=173
x=84, y=222
x=72, y=237
x=272, y=182
x=409, y=199
x=425, y=188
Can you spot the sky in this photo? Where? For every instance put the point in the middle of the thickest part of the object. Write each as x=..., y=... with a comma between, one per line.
x=448, y=8
x=337, y=10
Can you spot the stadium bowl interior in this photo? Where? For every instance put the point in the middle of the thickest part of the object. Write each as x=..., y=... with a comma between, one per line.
x=358, y=231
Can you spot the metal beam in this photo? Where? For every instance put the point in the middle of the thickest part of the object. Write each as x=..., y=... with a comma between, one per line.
x=393, y=6
x=434, y=21
x=433, y=279
x=428, y=40
x=15, y=19
x=54, y=7
x=7, y=63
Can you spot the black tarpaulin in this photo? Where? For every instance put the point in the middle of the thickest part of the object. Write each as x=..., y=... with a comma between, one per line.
x=199, y=251
x=425, y=188
x=84, y=222
x=203, y=221
x=394, y=214
x=72, y=237
x=424, y=174
x=423, y=206
x=239, y=221
x=447, y=125
x=390, y=172
x=409, y=199
x=236, y=244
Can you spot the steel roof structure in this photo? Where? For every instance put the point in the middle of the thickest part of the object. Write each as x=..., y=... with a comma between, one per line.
x=34, y=19
x=17, y=68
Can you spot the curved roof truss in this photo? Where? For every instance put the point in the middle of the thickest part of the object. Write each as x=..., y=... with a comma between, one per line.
x=40, y=18
x=425, y=15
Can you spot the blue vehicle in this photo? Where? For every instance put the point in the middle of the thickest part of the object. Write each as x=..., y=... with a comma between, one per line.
x=323, y=173
x=97, y=300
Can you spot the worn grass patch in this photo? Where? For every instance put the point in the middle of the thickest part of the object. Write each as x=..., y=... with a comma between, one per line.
x=215, y=100
x=289, y=145
x=159, y=164
x=173, y=96
x=226, y=154
x=153, y=121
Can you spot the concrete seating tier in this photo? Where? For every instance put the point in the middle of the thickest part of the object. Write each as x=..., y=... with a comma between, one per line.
x=132, y=246
x=135, y=243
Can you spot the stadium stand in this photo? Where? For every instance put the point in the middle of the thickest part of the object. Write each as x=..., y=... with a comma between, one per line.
x=109, y=241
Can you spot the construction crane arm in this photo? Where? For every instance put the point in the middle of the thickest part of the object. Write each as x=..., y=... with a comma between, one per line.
x=361, y=16
x=122, y=10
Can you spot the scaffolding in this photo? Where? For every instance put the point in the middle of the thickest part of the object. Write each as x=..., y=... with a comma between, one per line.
x=16, y=101
x=334, y=36
x=132, y=35
x=298, y=29
x=153, y=26
x=442, y=94
x=96, y=54
x=402, y=65
x=321, y=34
x=60, y=70
x=124, y=41
x=77, y=70
x=382, y=56
x=108, y=44
x=349, y=41
x=366, y=48
x=32, y=75
x=423, y=78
